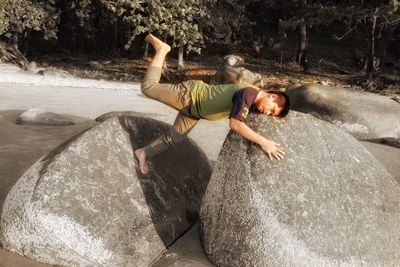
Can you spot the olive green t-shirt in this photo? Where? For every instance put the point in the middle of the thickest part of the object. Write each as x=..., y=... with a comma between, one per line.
x=213, y=102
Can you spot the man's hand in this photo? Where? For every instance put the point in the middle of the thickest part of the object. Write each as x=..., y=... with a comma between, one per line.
x=268, y=146
x=272, y=149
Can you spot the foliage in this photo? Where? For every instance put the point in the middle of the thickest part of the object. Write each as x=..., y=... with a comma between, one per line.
x=315, y=13
x=87, y=25
x=177, y=20
x=360, y=14
x=106, y=24
x=3, y=21
x=22, y=16
x=225, y=21
x=376, y=21
x=115, y=26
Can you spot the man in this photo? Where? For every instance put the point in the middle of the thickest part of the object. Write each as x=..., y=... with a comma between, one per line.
x=197, y=100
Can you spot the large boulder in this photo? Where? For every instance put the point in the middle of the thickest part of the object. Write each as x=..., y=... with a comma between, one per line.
x=87, y=204
x=113, y=114
x=387, y=155
x=329, y=202
x=22, y=145
x=364, y=115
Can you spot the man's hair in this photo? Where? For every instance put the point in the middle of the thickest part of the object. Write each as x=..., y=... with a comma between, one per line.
x=282, y=96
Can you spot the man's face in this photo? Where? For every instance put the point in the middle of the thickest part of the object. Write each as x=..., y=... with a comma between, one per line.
x=270, y=105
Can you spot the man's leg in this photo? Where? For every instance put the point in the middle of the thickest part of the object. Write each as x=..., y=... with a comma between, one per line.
x=183, y=124
x=174, y=95
x=162, y=49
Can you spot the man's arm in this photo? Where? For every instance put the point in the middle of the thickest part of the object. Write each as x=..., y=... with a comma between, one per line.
x=268, y=146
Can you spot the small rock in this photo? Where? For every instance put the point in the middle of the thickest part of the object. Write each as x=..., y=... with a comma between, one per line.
x=40, y=117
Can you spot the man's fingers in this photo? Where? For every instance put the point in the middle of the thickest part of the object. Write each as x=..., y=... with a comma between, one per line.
x=280, y=155
x=277, y=156
x=280, y=151
x=275, y=152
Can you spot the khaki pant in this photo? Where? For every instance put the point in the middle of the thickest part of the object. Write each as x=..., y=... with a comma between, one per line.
x=176, y=96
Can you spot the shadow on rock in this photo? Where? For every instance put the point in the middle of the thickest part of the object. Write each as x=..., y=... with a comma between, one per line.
x=86, y=202
x=364, y=115
x=177, y=175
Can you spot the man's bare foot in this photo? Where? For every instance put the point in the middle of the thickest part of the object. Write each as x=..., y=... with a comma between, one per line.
x=158, y=45
x=141, y=156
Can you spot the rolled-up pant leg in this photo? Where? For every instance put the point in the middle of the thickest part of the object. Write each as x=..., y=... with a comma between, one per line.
x=183, y=124
x=176, y=96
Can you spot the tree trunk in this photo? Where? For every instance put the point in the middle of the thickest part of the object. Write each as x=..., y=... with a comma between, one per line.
x=26, y=43
x=146, y=50
x=114, y=45
x=302, y=59
x=181, y=65
x=11, y=54
x=15, y=39
x=383, y=41
x=371, y=53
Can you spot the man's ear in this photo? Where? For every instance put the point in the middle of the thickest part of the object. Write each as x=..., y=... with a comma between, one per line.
x=274, y=97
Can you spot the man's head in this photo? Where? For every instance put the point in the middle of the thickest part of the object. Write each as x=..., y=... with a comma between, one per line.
x=274, y=103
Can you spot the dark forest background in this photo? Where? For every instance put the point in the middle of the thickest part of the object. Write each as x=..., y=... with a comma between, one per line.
x=365, y=35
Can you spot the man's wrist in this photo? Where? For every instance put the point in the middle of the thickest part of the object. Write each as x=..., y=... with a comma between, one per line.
x=261, y=140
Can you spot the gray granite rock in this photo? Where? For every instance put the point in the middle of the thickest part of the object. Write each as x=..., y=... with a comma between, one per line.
x=363, y=114
x=329, y=202
x=387, y=155
x=87, y=204
x=39, y=117
x=113, y=114
x=389, y=141
x=232, y=71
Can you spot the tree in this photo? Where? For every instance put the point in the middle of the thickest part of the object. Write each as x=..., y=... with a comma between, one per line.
x=90, y=25
x=177, y=20
x=130, y=14
x=303, y=15
x=377, y=21
x=3, y=21
x=21, y=17
x=274, y=18
x=225, y=22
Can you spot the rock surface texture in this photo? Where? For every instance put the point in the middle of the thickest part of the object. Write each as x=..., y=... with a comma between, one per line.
x=87, y=204
x=364, y=115
x=113, y=114
x=387, y=155
x=329, y=202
